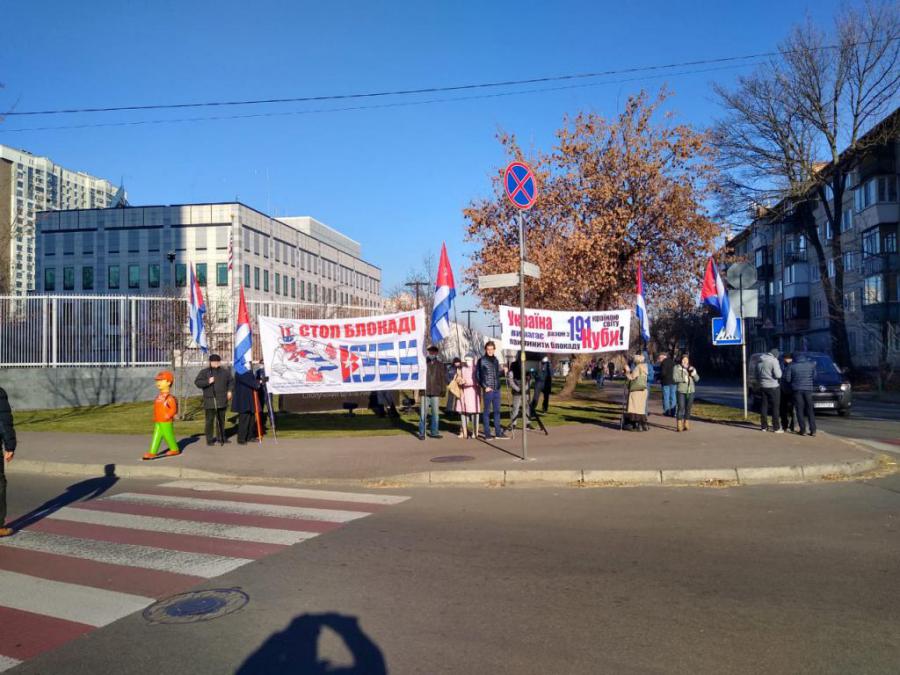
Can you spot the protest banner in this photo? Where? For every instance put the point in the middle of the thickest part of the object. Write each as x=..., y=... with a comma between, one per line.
x=553, y=332
x=309, y=356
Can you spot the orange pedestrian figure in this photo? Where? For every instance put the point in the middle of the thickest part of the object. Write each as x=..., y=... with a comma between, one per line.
x=165, y=407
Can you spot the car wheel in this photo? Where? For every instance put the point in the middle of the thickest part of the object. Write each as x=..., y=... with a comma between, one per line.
x=844, y=412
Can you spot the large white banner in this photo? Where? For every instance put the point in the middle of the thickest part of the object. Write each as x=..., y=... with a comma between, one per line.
x=552, y=332
x=308, y=356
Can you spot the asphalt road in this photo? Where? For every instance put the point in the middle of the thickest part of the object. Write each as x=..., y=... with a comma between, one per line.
x=781, y=579
x=869, y=419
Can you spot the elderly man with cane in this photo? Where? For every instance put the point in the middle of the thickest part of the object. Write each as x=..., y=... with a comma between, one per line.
x=217, y=385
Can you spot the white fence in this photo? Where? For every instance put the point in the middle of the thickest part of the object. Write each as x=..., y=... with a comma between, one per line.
x=90, y=330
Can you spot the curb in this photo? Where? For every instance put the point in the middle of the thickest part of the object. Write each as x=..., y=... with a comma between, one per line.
x=500, y=477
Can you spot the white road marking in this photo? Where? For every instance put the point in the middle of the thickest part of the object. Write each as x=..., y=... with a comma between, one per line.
x=130, y=555
x=7, y=662
x=71, y=602
x=252, y=509
x=261, y=535
x=274, y=491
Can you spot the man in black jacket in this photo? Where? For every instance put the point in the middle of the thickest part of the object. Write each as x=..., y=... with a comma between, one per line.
x=802, y=377
x=487, y=374
x=435, y=387
x=217, y=385
x=667, y=382
x=543, y=386
x=8, y=445
x=245, y=387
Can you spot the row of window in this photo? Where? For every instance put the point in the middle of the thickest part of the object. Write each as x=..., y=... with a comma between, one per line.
x=285, y=286
x=114, y=276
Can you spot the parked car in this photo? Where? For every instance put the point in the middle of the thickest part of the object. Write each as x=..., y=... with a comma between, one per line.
x=832, y=390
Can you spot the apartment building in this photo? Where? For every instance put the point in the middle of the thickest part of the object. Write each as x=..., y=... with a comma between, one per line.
x=28, y=185
x=793, y=312
x=147, y=250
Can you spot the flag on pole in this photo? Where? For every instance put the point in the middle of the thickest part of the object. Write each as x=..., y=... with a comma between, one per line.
x=197, y=309
x=640, y=308
x=714, y=294
x=230, y=251
x=444, y=293
x=243, y=339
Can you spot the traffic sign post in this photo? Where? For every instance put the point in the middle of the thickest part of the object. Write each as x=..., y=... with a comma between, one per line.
x=521, y=190
x=718, y=325
x=741, y=276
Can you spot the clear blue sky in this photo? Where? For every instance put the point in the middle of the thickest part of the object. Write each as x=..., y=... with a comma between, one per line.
x=396, y=179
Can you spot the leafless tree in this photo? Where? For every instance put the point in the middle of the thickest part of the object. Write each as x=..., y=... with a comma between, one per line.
x=796, y=128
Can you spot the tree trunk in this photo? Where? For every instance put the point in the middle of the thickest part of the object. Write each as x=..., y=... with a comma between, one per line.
x=575, y=370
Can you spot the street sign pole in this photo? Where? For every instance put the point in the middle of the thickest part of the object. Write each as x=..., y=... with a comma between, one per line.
x=522, y=335
x=743, y=345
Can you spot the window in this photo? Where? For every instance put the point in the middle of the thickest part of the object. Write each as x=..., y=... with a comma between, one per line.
x=200, y=238
x=87, y=243
x=112, y=277
x=246, y=234
x=294, y=288
x=851, y=340
x=277, y=281
x=266, y=280
x=49, y=279
x=850, y=302
x=69, y=243
x=830, y=265
x=876, y=190
x=221, y=274
x=50, y=244
x=222, y=234
x=265, y=247
x=153, y=275
x=134, y=276
x=181, y=274
x=890, y=242
x=246, y=276
x=778, y=287
x=87, y=278
x=277, y=251
x=870, y=343
x=870, y=242
x=256, y=278
x=134, y=241
x=153, y=241
x=873, y=292
x=68, y=278
x=849, y=261
x=256, y=243
x=817, y=309
x=112, y=241
x=847, y=220
x=789, y=274
x=302, y=289
x=284, y=285
x=201, y=274
x=829, y=231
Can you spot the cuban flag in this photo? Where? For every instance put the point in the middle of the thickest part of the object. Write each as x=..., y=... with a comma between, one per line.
x=197, y=310
x=714, y=294
x=640, y=308
x=243, y=339
x=444, y=293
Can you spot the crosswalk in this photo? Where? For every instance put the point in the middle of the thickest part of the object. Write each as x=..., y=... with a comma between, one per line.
x=90, y=563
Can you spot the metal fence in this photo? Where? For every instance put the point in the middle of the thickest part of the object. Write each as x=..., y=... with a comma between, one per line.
x=92, y=330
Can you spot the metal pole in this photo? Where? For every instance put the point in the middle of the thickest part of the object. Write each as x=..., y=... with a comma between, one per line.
x=522, y=332
x=743, y=343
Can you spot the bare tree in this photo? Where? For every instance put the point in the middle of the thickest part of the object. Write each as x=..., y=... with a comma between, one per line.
x=795, y=129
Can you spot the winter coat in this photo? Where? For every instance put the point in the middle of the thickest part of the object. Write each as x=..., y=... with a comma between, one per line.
x=545, y=377
x=215, y=395
x=768, y=371
x=7, y=430
x=470, y=401
x=801, y=375
x=667, y=372
x=637, y=390
x=245, y=387
x=487, y=372
x=685, y=379
x=435, y=377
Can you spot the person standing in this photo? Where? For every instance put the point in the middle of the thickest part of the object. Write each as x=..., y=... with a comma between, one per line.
x=637, y=383
x=217, y=384
x=543, y=385
x=686, y=377
x=514, y=381
x=768, y=371
x=435, y=387
x=802, y=377
x=487, y=373
x=245, y=387
x=786, y=406
x=262, y=395
x=611, y=367
x=8, y=445
x=667, y=382
x=451, y=375
x=469, y=403
x=599, y=373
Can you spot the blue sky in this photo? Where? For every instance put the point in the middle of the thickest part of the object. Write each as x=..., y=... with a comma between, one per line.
x=395, y=178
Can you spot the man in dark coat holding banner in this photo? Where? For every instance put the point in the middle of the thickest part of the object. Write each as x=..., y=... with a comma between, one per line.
x=245, y=387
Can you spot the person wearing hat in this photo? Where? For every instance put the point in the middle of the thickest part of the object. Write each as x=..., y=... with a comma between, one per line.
x=165, y=407
x=435, y=388
x=8, y=445
x=217, y=384
x=768, y=370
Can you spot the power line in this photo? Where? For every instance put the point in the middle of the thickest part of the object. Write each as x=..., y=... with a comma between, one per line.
x=424, y=90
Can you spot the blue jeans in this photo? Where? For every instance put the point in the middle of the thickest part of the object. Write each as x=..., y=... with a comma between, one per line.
x=434, y=403
x=669, y=398
x=491, y=399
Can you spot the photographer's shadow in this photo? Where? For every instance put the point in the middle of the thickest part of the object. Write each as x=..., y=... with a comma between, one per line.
x=295, y=649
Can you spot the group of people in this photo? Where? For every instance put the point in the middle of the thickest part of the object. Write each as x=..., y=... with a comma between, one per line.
x=598, y=371
x=787, y=393
x=678, y=381
x=473, y=387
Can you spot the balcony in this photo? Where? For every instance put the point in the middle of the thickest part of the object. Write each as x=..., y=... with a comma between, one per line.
x=880, y=263
x=881, y=311
x=764, y=272
x=796, y=325
x=796, y=290
x=791, y=257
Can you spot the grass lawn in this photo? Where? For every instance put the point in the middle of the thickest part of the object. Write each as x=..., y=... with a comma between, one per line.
x=586, y=406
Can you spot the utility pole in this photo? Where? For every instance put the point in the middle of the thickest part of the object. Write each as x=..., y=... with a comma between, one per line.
x=417, y=285
x=469, y=313
x=494, y=327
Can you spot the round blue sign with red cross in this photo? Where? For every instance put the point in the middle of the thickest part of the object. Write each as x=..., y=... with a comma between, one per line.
x=521, y=187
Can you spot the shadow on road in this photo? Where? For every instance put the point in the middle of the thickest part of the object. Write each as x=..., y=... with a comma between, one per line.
x=295, y=650
x=81, y=491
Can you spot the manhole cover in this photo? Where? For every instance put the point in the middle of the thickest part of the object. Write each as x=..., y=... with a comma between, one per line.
x=452, y=458
x=196, y=606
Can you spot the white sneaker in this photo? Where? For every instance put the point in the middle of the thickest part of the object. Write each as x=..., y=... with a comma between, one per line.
x=779, y=431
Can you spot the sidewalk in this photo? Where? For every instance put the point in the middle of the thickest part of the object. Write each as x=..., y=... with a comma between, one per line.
x=711, y=453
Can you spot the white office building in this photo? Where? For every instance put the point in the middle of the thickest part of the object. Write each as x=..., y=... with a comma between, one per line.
x=28, y=185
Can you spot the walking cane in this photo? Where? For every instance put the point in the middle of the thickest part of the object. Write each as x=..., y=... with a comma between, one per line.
x=256, y=414
x=271, y=414
x=624, y=404
x=220, y=431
